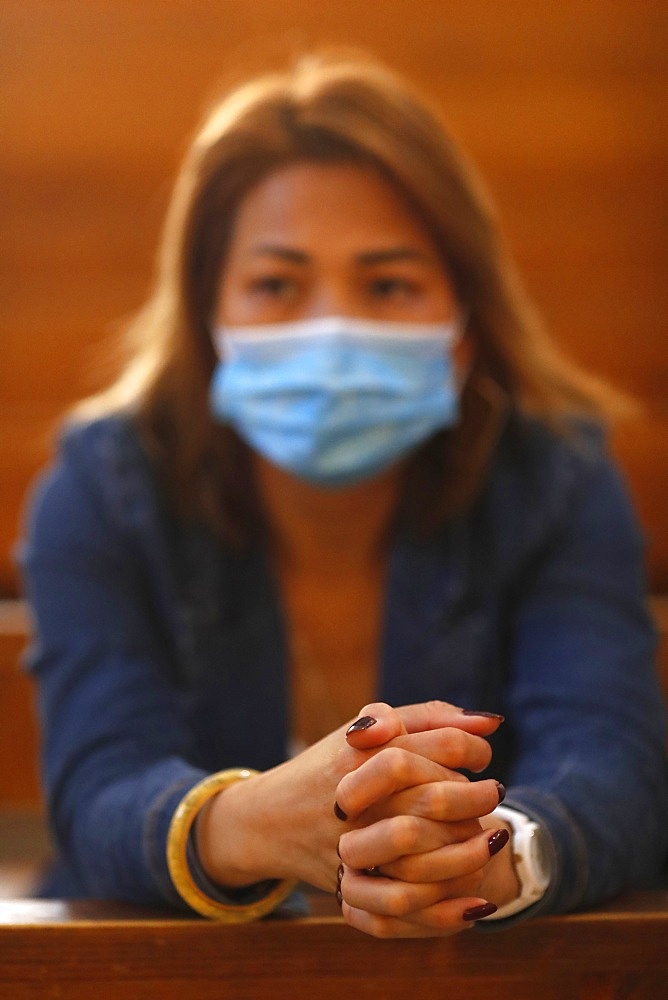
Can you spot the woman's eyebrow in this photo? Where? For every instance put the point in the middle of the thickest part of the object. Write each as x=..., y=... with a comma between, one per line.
x=290, y=254
x=389, y=254
x=367, y=258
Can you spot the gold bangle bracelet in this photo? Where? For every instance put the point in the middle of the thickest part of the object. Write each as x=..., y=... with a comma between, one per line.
x=177, y=861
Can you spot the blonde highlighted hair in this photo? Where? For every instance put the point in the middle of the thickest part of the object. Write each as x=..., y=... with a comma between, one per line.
x=325, y=109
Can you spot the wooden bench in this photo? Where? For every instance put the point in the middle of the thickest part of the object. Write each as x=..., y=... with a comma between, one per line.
x=81, y=950
x=19, y=781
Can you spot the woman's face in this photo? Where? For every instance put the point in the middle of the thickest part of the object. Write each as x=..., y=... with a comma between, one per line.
x=314, y=240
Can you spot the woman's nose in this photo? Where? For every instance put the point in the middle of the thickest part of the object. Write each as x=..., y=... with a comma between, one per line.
x=332, y=298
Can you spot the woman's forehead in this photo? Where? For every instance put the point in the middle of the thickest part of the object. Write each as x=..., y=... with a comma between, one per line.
x=306, y=205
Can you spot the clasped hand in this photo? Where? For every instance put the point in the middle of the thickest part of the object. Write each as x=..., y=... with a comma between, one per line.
x=407, y=834
x=414, y=851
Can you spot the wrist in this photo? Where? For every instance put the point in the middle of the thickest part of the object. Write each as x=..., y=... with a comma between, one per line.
x=199, y=894
x=225, y=834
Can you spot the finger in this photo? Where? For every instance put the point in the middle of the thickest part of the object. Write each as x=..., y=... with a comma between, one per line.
x=445, y=918
x=390, y=897
x=443, y=800
x=448, y=862
x=439, y=714
x=401, y=765
x=376, y=724
x=391, y=770
x=451, y=747
x=419, y=850
x=386, y=842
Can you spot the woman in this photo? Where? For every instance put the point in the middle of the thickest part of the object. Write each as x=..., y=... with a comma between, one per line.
x=345, y=464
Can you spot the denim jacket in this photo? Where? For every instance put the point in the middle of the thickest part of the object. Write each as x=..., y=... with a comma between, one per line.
x=161, y=657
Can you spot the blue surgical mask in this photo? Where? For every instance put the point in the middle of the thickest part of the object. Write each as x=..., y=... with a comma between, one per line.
x=335, y=400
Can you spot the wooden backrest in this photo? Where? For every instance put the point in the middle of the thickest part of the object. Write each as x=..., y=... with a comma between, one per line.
x=19, y=780
x=559, y=105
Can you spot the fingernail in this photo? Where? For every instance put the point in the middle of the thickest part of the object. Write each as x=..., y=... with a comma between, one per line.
x=501, y=789
x=366, y=722
x=339, y=874
x=497, y=841
x=339, y=897
x=483, y=715
x=478, y=912
x=339, y=813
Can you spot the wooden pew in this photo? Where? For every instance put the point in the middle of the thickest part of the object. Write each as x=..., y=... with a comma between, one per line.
x=19, y=782
x=559, y=105
x=81, y=950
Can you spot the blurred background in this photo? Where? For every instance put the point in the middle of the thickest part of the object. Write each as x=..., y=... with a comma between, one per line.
x=562, y=106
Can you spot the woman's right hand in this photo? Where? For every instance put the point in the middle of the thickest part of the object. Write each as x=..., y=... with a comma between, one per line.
x=282, y=824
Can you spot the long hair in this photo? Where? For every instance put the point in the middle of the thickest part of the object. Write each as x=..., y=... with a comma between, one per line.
x=347, y=110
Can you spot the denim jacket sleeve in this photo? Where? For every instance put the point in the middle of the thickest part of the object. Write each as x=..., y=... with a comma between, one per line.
x=115, y=743
x=584, y=697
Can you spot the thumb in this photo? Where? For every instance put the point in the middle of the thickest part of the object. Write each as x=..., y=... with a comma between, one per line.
x=376, y=724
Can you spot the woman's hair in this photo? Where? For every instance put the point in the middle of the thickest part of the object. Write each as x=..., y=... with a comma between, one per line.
x=327, y=110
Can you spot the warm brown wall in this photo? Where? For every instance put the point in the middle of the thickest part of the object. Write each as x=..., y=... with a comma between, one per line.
x=562, y=105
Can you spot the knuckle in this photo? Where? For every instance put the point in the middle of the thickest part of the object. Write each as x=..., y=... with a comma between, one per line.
x=399, y=901
x=467, y=751
x=441, y=796
x=458, y=743
x=406, y=834
x=395, y=759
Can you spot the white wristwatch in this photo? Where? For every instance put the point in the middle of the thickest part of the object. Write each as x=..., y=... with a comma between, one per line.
x=530, y=858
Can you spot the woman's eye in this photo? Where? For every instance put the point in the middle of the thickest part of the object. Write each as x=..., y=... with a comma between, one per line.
x=391, y=287
x=274, y=286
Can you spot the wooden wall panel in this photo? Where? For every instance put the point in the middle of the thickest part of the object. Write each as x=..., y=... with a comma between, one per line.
x=561, y=105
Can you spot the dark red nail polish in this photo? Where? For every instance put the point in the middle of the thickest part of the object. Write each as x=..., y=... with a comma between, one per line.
x=501, y=789
x=339, y=813
x=478, y=912
x=339, y=874
x=339, y=897
x=497, y=841
x=483, y=715
x=366, y=722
